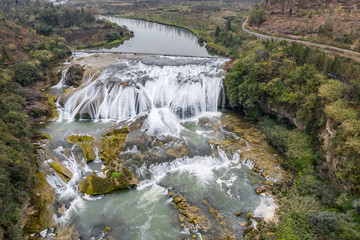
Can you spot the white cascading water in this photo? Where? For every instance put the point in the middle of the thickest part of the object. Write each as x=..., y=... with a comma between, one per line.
x=168, y=93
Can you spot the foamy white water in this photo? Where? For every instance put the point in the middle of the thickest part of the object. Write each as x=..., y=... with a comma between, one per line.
x=168, y=92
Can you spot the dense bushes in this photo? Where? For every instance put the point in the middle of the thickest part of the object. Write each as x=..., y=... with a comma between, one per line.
x=326, y=28
x=63, y=17
x=15, y=155
x=26, y=73
x=112, y=36
x=293, y=144
x=289, y=84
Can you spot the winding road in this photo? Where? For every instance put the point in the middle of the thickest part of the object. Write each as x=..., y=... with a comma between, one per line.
x=343, y=52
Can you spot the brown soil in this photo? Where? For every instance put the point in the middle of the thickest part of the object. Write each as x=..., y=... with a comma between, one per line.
x=308, y=15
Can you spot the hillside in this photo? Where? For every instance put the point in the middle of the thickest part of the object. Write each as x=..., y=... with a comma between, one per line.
x=30, y=50
x=332, y=22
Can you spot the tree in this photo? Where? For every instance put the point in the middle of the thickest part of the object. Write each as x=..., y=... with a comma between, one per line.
x=217, y=31
x=5, y=58
x=112, y=36
x=228, y=25
x=44, y=29
x=26, y=73
x=257, y=16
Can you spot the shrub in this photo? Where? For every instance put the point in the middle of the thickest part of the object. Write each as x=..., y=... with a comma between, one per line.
x=228, y=25
x=334, y=226
x=44, y=56
x=332, y=90
x=257, y=16
x=115, y=174
x=326, y=28
x=110, y=37
x=324, y=192
x=217, y=31
x=44, y=30
x=26, y=73
x=340, y=111
x=293, y=221
x=294, y=145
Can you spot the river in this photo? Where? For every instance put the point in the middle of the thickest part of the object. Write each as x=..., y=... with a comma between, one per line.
x=193, y=160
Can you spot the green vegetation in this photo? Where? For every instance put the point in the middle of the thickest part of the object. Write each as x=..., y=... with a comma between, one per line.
x=309, y=118
x=94, y=185
x=257, y=15
x=295, y=146
x=115, y=174
x=44, y=197
x=326, y=28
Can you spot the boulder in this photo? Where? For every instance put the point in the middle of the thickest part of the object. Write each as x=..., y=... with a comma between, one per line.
x=74, y=75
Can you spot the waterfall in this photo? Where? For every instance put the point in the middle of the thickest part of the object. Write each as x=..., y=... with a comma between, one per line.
x=61, y=83
x=167, y=86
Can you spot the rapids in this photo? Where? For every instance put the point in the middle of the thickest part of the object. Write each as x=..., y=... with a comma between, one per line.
x=182, y=146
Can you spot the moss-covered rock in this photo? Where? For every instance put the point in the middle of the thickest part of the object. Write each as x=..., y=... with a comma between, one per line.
x=86, y=143
x=177, y=150
x=249, y=215
x=94, y=185
x=112, y=144
x=117, y=176
x=56, y=167
x=190, y=216
x=63, y=172
x=238, y=213
x=42, y=204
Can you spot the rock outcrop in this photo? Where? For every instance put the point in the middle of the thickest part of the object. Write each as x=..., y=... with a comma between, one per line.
x=74, y=75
